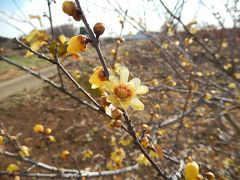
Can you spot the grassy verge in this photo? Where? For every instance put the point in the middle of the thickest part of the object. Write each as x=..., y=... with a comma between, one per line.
x=9, y=72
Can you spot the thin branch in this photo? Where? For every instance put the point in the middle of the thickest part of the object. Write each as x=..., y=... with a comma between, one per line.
x=40, y=55
x=95, y=43
x=65, y=173
x=50, y=19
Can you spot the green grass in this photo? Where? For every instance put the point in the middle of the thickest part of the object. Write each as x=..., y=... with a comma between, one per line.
x=8, y=71
x=30, y=62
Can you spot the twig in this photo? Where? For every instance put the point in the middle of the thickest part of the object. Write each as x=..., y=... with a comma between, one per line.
x=132, y=132
x=50, y=19
x=95, y=42
x=65, y=173
x=40, y=55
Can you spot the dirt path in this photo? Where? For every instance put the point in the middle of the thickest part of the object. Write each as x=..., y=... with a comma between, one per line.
x=24, y=82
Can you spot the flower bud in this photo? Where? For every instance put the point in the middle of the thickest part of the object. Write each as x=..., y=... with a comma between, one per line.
x=210, y=176
x=69, y=7
x=145, y=128
x=191, y=170
x=51, y=139
x=48, y=131
x=144, y=142
x=117, y=123
x=116, y=114
x=104, y=102
x=99, y=29
x=38, y=128
x=65, y=154
x=76, y=16
x=24, y=151
x=199, y=177
x=118, y=42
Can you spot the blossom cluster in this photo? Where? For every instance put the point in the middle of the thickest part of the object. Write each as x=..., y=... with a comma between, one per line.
x=120, y=92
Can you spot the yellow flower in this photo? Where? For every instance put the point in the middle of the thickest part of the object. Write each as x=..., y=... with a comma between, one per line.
x=38, y=128
x=51, y=139
x=77, y=44
x=113, y=141
x=111, y=165
x=191, y=170
x=87, y=153
x=98, y=78
x=118, y=155
x=142, y=160
x=153, y=154
x=24, y=151
x=124, y=93
x=126, y=141
x=11, y=168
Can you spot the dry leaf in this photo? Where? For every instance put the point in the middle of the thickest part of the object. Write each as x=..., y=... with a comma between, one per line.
x=158, y=150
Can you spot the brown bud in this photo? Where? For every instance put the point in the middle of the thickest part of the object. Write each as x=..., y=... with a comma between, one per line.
x=99, y=29
x=104, y=101
x=121, y=21
x=121, y=40
x=76, y=16
x=199, y=177
x=69, y=7
x=210, y=176
x=65, y=154
x=118, y=123
x=116, y=114
x=145, y=128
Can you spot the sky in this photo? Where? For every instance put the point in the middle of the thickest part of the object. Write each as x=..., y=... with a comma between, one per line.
x=102, y=11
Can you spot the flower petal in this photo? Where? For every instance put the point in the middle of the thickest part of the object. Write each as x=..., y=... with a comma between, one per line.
x=124, y=73
x=136, y=82
x=142, y=90
x=73, y=44
x=136, y=104
x=113, y=80
x=113, y=100
x=124, y=104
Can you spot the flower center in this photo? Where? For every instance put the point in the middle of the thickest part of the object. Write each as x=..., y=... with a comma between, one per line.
x=101, y=75
x=118, y=153
x=122, y=91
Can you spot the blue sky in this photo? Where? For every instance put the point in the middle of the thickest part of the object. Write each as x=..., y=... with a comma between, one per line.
x=102, y=12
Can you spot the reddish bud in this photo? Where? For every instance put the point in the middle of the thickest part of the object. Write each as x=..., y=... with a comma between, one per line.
x=99, y=29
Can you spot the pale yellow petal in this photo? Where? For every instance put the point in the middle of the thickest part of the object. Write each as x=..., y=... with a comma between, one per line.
x=137, y=104
x=124, y=73
x=94, y=78
x=95, y=86
x=142, y=90
x=136, y=82
x=113, y=100
x=73, y=44
x=124, y=104
x=113, y=80
x=108, y=86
